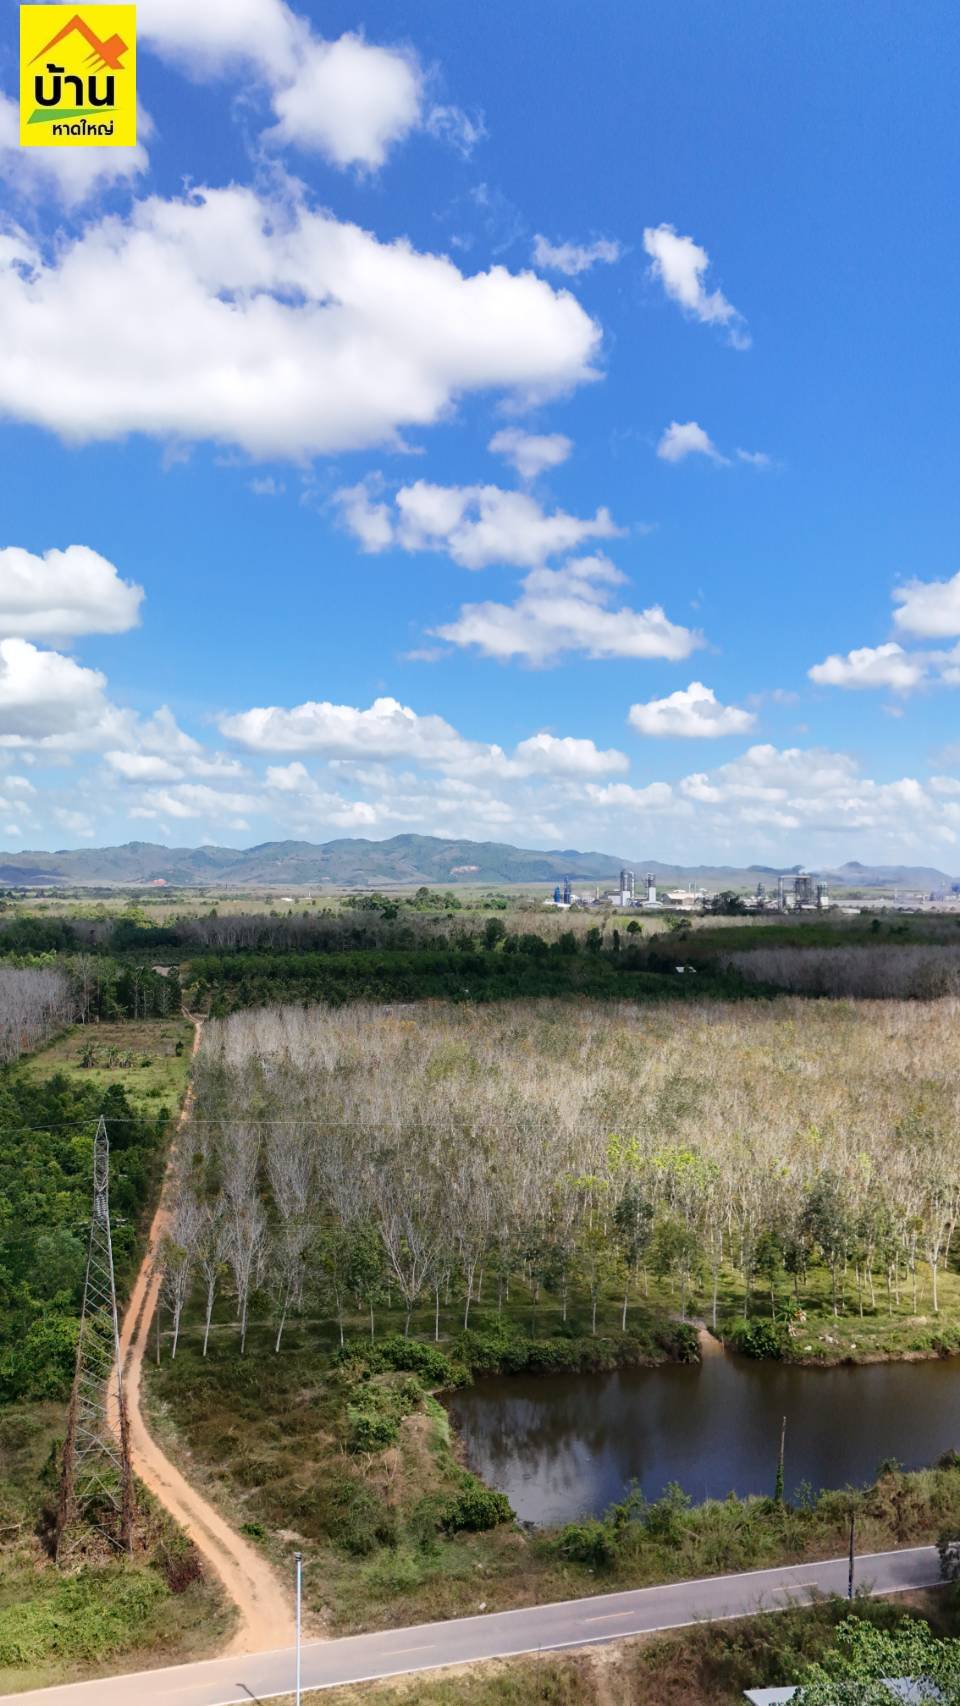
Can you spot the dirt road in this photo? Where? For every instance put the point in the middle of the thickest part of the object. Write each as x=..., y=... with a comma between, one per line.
x=264, y=1610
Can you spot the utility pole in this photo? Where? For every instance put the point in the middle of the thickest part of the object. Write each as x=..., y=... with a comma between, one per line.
x=96, y=1482
x=778, y=1489
x=299, y=1562
x=850, y=1572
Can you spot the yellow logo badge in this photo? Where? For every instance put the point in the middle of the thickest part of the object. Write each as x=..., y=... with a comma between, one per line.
x=78, y=76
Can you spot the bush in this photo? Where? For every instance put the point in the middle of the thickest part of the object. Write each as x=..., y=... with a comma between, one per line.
x=664, y=1519
x=370, y=1429
x=758, y=1339
x=408, y=1355
x=476, y=1508
x=587, y=1543
x=85, y=1617
x=354, y=1518
x=484, y=1353
x=680, y=1340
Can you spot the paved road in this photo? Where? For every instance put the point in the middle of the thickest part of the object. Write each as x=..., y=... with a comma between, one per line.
x=502, y=1634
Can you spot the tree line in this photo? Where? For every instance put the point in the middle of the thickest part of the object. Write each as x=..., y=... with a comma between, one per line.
x=40, y=996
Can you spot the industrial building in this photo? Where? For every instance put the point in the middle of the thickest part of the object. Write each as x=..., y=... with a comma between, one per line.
x=799, y=891
x=804, y=894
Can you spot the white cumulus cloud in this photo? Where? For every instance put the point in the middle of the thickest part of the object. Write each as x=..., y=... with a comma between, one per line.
x=360, y=742
x=46, y=698
x=563, y=755
x=63, y=594
x=930, y=609
x=209, y=40
x=273, y=327
x=386, y=729
x=886, y=666
x=568, y=610
x=474, y=525
x=693, y=712
x=349, y=100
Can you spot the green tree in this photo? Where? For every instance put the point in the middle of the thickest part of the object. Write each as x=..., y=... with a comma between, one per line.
x=853, y=1674
x=494, y=932
x=675, y=1254
x=768, y=1263
x=826, y=1221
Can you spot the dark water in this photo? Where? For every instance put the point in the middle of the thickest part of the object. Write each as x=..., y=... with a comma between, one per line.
x=567, y=1446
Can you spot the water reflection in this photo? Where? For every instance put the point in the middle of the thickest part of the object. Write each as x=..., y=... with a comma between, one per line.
x=568, y=1445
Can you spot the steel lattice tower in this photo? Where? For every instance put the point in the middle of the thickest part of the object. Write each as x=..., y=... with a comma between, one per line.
x=96, y=1484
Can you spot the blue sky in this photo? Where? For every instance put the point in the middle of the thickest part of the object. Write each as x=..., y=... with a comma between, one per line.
x=692, y=270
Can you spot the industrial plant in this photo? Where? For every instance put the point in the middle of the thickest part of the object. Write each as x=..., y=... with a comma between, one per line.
x=796, y=892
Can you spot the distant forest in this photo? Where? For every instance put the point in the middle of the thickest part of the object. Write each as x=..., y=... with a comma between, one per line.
x=382, y=949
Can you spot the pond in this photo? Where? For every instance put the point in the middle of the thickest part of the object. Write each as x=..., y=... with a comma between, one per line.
x=566, y=1446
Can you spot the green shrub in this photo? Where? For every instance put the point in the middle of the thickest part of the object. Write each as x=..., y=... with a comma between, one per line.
x=664, y=1518
x=353, y=1517
x=681, y=1341
x=407, y=1355
x=85, y=1617
x=371, y=1426
x=590, y=1543
x=484, y=1352
x=758, y=1339
x=476, y=1508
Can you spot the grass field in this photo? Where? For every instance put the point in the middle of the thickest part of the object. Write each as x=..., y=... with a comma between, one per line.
x=139, y=1054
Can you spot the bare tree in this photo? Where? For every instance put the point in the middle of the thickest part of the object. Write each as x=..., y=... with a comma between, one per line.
x=35, y=1003
x=178, y=1255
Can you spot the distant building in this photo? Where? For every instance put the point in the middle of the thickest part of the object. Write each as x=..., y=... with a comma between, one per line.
x=806, y=893
x=804, y=890
x=684, y=900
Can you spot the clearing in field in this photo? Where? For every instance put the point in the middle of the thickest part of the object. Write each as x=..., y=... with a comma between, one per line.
x=149, y=1057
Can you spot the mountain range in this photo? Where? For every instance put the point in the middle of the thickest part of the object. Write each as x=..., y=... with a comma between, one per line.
x=404, y=859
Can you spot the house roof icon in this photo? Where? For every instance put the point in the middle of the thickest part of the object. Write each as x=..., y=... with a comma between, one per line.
x=104, y=54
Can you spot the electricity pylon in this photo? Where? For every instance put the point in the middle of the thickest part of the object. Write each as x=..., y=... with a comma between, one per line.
x=96, y=1484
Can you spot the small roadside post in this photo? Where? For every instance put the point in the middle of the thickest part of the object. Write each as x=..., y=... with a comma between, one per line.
x=298, y=1556
x=850, y=1573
